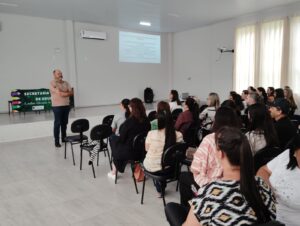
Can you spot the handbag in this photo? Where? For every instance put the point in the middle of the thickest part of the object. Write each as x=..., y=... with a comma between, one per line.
x=138, y=173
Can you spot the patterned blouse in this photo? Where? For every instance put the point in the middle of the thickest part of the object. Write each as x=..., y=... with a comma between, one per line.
x=205, y=166
x=221, y=203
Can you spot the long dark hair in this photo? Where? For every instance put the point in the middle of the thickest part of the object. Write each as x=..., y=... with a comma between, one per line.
x=193, y=107
x=138, y=110
x=175, y=96
x=237, y=99
x=279, y=93
x=165, y=121
x=235, y=145
x=225, y=116
x=261, y=121
x=293, y=145
x=125, y=103
x=264, y=95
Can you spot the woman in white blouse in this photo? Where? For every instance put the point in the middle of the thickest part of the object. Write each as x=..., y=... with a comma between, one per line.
x=174, y=100
x=208, y=114
x=283, y=174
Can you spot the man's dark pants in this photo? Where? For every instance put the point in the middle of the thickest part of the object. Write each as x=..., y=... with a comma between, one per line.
x=61, y=116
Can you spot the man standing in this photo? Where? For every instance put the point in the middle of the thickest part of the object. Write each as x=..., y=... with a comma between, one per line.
x=60, y=92
x=283, y=125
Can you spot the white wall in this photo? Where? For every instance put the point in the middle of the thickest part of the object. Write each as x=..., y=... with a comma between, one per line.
x=196, y=69
x=31, y=47
x=29, y=50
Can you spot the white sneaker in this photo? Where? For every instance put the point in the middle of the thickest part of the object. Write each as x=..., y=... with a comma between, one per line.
x=111, y=175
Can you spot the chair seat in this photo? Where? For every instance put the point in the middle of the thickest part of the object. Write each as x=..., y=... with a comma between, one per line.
x=75, y=138
x=160, y=175
x=90, y=147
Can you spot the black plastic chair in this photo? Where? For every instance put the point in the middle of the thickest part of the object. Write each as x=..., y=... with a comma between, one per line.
x=152, y=115
x=175, y=113
x=99, y=133
x=263, y=156
x=170, y=172
x=78, y=126
x=139, y=153
x=107, y=120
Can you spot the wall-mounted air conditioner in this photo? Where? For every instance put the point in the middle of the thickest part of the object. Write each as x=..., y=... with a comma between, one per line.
x=93, y=35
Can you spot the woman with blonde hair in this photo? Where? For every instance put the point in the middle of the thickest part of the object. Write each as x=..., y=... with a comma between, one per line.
x=208, y=114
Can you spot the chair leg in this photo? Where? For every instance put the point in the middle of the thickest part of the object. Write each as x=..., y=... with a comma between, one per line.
x=177, y=185
x=116, y=178
x=93, y=170
x=143, y=191
x=98, y=158
x=80, y=158
x=65, y=150
x=109, y=159
x=73, y=154
x=163, y=195
x=134, y=181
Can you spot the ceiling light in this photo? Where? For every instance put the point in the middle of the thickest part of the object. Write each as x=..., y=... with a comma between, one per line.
x=8, y=4
x=145, y=23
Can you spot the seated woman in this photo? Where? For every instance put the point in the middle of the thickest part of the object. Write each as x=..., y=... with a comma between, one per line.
x=162, y=106
x=119, y=119
x=238, y=198
x=158, y=141
x=121, y=146
x=189, y=115
x=283, y=175
x=289, y=96
x=270, y=94
x=174, y=100
x=261, y=128
x=208, y=114
x=205, y=167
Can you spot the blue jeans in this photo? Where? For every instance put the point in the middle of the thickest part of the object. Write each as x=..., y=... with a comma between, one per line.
x=61, y=116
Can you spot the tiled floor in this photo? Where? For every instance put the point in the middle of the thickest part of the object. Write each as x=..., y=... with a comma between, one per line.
x=39, y=187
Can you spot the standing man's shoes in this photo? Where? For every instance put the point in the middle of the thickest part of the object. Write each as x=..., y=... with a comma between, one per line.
x=57, y=145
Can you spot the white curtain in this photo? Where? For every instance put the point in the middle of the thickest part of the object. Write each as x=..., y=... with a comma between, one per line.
x=244, y=58
x=271, y=50
x=294, y=58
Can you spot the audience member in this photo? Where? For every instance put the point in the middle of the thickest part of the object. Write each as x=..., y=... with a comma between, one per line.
x=158, y=141
x=174, y=100
x=237, y=99
x=283, y=175
x=278, y=93
x=270, y=93
x=120, y=118
x=263, y=95
x=251, y=89
x=288, y=95
x=205, y=166
x=208, y=114
x=283, y=125
x=162, y=106
x=244, y=97
x=121, y=146
x=238, y=198
x=189, y=115
x=261, y=128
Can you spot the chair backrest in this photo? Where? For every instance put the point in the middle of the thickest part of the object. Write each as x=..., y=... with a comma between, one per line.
x=263, y=156
x=101, y=132
x=190, y=136
x=173, y=156
x=176, y=113
x=80, y=126
x=138, y=146
x=108, y=120
x=152, y=115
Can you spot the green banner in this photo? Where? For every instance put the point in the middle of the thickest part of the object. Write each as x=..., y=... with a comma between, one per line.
x=24, y=100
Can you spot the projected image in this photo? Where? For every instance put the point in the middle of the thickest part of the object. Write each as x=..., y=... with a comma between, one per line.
x=139, y=48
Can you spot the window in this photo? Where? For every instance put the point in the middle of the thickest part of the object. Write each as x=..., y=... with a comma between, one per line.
x=245, y=57
x=271, y=48
x=294, y=59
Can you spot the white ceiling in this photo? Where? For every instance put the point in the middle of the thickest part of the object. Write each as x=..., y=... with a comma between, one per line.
x=165, y=15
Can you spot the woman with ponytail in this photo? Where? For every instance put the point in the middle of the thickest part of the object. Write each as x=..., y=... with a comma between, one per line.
x=159, y=140
x=238, y=198
x=119, y=119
